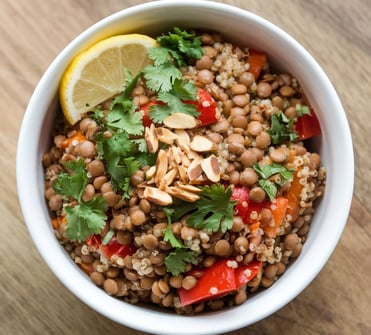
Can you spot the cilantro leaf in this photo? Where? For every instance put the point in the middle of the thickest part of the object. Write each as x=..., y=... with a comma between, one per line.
x=182, y=45
x=213, y=211
x=177, y=260
x=181, y=90
x=118, y=152
x=72, y=184
x=267, y=171
x=282, y=128
x=159, y=55
x=302, y=109
x=161, y=77
x=85, y=219
x=123, y=116
x=169, y=235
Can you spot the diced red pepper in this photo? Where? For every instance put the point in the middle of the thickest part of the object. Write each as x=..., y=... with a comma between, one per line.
x=221, y=278
x=205, y=103
x=245, y=208
x=256, y=60
x=293, y=196
x=307, y=126
x=113, y=247
x=146, y=120
x=245, y=272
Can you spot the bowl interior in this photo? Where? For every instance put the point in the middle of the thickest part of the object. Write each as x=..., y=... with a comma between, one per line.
x=334, y=146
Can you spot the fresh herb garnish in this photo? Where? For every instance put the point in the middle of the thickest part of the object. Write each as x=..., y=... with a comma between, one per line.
x=118, y=152
x=173, y=101
x=212, y=212
x=282, y=128
x=302, y=110
x=84, y=218
x=165, y=78
x=266, y=171
x=177, y=260
x=169, y=235
x=181, y=45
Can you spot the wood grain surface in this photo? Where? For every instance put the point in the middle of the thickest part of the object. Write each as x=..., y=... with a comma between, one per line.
x=336, y=32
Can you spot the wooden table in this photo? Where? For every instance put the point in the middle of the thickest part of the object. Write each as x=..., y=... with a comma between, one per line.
x=337, y=33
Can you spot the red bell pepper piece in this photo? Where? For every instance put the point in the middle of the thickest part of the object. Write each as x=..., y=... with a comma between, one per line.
x=245, y=207
x=245, y=272
x=205, y=103
x=307, y=126
x=113, y=247
x=221, y=278
x=257, y=59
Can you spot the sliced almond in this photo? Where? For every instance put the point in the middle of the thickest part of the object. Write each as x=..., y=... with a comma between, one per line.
x=165, y=135
x=156, y=196
x=188, y=187
x=183, y=140
x=202, y=144
x=210, y=166
x=168, y=179
x=151, y=138
x=183, y=194
x=182, y=173
x=161, y=166
x=176, y=154
x=180, y=121
x=194, y=169
x=150, y=172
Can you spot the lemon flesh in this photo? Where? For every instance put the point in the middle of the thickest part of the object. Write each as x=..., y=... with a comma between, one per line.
x=97, y=74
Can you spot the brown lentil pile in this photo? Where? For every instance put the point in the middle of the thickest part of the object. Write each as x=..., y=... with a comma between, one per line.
x=188, y=157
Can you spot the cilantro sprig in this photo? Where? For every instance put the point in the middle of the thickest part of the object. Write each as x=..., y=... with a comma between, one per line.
x=165, y=77
x=84, y=218
x=212, y=212
x=282, y=128
x=267, y=171
x=177, y=260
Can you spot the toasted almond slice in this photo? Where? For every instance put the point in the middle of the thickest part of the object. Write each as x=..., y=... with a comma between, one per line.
x=202, y=144
x=183, y=139
x=156, y=196
x=194, y=169
x=161, y=166
x=180, y=121
x=176, y=154
x=188, y=187
x=151, y=138
x=182, y=174
x=210, y=166
x=183, y=194
x=168, y=179
x=165, y=135
x=150, y=172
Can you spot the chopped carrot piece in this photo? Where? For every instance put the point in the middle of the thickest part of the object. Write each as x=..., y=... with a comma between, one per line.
x=78, y=137
x=293, y=196
x=278, y=208
x=56, y=222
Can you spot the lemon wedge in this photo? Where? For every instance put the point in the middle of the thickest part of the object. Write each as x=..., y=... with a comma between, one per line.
x=97, y=74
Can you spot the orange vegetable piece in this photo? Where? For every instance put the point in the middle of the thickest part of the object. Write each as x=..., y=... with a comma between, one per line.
x=278, y=208
x=293, y=196
x=86, y=267
x=256, y=60
x=78, y=136
x=56, y=222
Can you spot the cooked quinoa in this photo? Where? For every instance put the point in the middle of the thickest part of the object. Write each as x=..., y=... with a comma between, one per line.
x=225, y=152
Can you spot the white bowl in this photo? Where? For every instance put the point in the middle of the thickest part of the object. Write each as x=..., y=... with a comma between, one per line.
x=335, y=147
